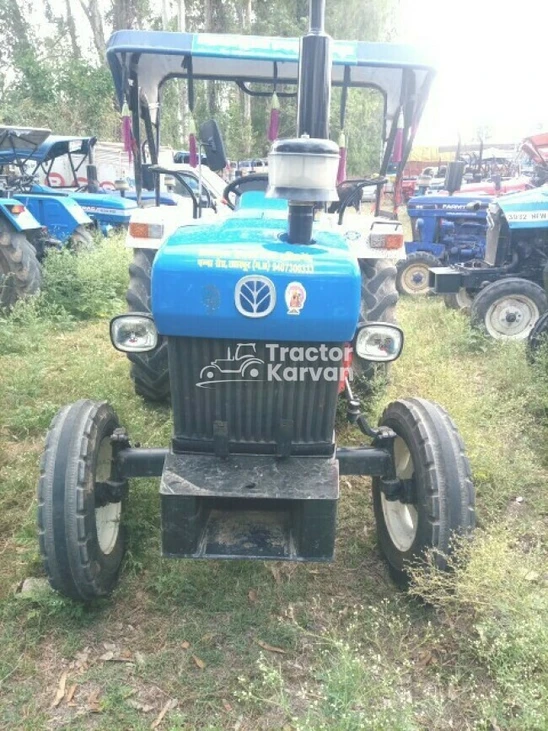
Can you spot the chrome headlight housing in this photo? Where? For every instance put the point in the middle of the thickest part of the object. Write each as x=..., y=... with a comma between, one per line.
x=134, y=332
x=378, y=342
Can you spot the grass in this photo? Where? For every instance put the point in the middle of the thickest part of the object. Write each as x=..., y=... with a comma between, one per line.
x=463, y=650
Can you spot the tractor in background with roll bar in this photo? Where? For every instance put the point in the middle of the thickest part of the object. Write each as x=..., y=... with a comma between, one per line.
x=253, y=467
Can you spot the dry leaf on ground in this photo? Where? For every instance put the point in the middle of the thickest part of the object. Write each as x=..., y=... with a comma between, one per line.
x=271, y=648
x=199, y=662
x=60, y=693
x=169, y=706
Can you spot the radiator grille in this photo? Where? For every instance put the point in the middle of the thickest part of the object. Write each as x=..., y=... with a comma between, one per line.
x=258, y=413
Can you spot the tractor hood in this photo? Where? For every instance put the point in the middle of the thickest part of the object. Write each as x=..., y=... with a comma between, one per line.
x=241, y=279
x=526, y=210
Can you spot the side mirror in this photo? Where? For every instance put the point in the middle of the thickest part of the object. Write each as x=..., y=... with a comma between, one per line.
x=453, y=176
x=210, y=137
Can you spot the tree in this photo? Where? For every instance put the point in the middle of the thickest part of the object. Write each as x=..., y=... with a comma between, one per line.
x=93, y=14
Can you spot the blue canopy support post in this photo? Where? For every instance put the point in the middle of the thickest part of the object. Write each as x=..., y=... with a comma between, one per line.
x=135, y=108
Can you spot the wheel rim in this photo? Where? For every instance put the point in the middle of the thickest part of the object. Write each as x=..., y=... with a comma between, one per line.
x=511, y=318
x=414, y=279
x=401, y=518
x=107, y=517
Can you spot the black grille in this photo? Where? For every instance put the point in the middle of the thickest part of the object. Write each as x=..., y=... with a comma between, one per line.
x=255, y=414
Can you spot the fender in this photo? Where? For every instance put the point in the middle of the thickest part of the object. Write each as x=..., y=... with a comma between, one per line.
x=59, y=214
x=169, y=218
x=23, y=221
x=360, y=231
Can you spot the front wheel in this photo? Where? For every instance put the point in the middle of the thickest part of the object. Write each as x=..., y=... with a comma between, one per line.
x=433, y=500
x=412, y=276
x=508, y=308
x=80, y=505
x=81, y=239
x=461, y=300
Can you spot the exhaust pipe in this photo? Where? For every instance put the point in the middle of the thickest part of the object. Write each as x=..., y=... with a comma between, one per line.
x=314, y=94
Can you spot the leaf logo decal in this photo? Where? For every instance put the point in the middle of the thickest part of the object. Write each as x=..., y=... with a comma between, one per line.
x=255, y=296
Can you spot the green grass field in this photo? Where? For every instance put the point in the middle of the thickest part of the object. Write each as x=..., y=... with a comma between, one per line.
x=251, y=645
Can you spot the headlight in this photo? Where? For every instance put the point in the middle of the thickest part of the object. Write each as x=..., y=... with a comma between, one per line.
x=378, y=342
x=133, y=333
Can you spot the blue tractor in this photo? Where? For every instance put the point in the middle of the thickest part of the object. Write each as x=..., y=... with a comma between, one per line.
x=446, y=230
x=106, y=209
x=252, y=470
x=505, y=287
x=64, y=219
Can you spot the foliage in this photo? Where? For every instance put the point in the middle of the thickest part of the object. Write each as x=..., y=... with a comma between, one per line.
x=55, y=83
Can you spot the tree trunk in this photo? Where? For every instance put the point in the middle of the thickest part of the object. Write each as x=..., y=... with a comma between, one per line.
x=93, y=14
x=71, y=25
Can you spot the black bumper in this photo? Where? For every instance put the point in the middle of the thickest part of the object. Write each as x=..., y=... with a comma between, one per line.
x=449, y=280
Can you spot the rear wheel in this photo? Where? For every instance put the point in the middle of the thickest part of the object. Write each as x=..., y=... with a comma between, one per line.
x=538, y=336
x=412, y=276
x=149, y=371
x=509, y=308
x=434, y=500
x=80, y=508
x=379, y=298
x=20, y=273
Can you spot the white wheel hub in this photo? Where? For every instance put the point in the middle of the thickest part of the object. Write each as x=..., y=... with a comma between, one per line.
x=414, y=279
x=401, y=518
x=107, y=517
x=511, y=318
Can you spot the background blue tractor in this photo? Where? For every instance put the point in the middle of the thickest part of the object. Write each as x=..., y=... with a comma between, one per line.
x=63, y=217
x=507, y=286
x=253, y=468
x=446, y=230
x=31, y=157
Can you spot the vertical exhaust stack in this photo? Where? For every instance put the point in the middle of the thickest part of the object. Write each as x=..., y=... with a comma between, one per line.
x=304, y=170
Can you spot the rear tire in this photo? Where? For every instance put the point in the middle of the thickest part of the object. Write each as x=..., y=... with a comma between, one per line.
x=537, y=337
x=379, y=298
x=149, y=371
x=430, y=455
x=82, y=540
x=20, y=273
x=508, y=309
x=412, y=276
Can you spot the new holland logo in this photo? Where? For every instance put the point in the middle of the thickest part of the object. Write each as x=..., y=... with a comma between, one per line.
x=255, y=296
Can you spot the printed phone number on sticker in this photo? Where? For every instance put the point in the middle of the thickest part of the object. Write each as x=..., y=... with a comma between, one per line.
x=258, y=265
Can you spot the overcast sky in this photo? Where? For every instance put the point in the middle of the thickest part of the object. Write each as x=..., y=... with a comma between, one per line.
x=492, y=62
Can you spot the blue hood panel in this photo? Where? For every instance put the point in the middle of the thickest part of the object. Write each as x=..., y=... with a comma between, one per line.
x=528, y=209
x=240, y=279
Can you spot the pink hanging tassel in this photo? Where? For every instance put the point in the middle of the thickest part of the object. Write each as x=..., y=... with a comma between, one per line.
x=397, y=150
x=127, y=136
x=274, y=124
x=341, y=172
x=192, y=145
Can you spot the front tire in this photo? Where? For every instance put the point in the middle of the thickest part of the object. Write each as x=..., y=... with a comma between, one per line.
x=436, y=502
x=412, y=276
x=81, y=537
x=81, y=239
x=460, y=300
x=20, y=273
x=508, y=308
x=149, y=371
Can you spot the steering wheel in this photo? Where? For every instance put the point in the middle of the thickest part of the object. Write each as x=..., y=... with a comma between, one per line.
x=350, y=197
x=235, y=187
x=20, y=182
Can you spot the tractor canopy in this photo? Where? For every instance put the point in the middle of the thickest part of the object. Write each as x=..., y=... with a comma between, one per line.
x=20, y=143
x=58, y=145
x=142, y=61
x=536, y=148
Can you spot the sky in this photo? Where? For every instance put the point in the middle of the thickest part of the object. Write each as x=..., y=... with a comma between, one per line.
x=492, y=63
